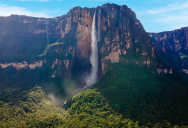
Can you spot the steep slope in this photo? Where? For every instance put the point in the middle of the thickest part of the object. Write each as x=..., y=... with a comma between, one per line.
x=59, y=48
x=91, y=109
x=52, y=51
x=171, y=50
x=127, y=96
x=144, y=96
x=130, y=96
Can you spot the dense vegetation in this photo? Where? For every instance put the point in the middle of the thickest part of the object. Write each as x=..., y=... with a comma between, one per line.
x=127, y=96
x=90, y=109
x=131, y=95
x=32, y=108
x=144, y=96
x=29, y=108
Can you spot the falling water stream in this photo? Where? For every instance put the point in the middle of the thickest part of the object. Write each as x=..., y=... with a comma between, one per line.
x=94, y=55
x=94, y=52
x=95, y=37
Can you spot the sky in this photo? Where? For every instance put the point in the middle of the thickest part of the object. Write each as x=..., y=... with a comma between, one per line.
x=155, y=15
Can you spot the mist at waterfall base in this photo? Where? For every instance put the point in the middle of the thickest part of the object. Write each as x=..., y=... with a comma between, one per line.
x=70, y=86
x=95, y=37
x=59, y=93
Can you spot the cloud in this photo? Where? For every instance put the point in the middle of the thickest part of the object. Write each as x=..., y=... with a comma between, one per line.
x=40, y=0
x=174, y=15
x=9, y=10
x=175, y=21
x=100, y=0
x=36, y=0
x=169, y=8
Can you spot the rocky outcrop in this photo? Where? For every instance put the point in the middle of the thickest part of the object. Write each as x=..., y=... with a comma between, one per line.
x=122, y=35
x=23, y=65
x=65, y=41
x=171, y=50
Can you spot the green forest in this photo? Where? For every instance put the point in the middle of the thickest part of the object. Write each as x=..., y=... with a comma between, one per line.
x=127, y=96
x=48, y=65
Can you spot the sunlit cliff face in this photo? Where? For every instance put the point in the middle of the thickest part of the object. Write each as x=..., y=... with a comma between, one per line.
x=24, y=65
x=116, y=32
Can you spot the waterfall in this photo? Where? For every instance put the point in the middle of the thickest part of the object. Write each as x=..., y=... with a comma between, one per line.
x=94, y=53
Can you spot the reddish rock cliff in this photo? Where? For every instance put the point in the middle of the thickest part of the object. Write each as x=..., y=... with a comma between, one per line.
x=171, y=50
x=67, y=39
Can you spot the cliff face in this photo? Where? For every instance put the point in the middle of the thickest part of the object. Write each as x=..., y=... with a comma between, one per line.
x=171, y=49
x=63, y=44
x=123, y=37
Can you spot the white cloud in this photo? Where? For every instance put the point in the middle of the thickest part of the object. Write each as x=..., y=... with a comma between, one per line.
x=36, y=0
x=169, y=8
x=174, y=15
x=40, y=0
x=8, y=10
x=100, y=0
x=175, y=21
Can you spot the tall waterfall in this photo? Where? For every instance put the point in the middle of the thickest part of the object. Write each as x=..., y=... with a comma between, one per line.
x=94, y=52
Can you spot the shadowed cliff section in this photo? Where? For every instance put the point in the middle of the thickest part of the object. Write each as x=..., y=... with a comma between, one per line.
x=171, y=52
x=123, y=40
x=171, y=48
x=118, y=25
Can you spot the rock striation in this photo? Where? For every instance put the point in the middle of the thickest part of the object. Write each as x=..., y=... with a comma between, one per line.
x=171, y=50
x=67, y=40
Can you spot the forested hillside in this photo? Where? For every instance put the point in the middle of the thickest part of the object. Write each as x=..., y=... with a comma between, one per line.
x=45, y=64
x=127, y=96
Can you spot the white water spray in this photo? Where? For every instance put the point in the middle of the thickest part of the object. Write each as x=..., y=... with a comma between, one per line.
x=94, y=54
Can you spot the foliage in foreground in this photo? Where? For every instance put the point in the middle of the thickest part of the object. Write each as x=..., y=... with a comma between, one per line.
x=126, y=97
x=33, y=109
x=90, y=109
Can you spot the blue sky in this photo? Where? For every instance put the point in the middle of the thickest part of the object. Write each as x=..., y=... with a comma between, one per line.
x=155, y=15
